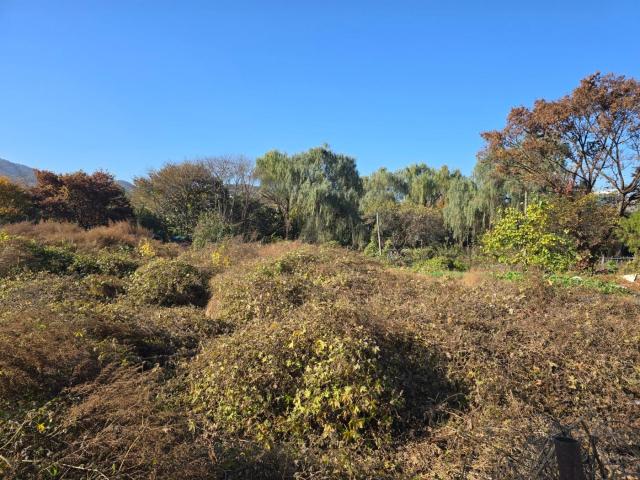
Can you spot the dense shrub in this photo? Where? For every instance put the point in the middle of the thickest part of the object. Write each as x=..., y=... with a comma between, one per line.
x=272, y=289
x=15, y=255
x=322, y=376
x=53, y=333
x=22, y=255
x=211, y=228
x=629, y=231
x=105, y=262
x=408, y=225
x=262, y=222
x=168, y=282
x=105, y=286
x=588, y=222
x=439, y=263
x=526, y=238
x=41, y=353
x=469, y=375
x=18, y=254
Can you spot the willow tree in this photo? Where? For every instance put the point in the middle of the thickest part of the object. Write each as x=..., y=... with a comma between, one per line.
x=281, y=178
x=426, y=186
x=381, y=189
x=494, y=191
x=461, y=212
x=330, y=196
x=317, y=193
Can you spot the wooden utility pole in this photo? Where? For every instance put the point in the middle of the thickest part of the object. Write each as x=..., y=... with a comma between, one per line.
x=378, y=228
x=569, y=459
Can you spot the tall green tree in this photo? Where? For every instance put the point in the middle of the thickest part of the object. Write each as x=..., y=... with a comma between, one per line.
x=629, y=232
x=331, y=193
x=178, y=194
x=281, y=178
x=317, y=193
x=461, y=210
x=426, y=186
x=381, y=189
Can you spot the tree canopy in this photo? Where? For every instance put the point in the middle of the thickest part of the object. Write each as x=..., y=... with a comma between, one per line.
x=588, y=138
x=15, y=202
x=178, y=194
x=88, y=200
x=316, y=192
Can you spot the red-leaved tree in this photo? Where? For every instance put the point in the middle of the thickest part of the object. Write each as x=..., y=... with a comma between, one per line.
x=88, y=200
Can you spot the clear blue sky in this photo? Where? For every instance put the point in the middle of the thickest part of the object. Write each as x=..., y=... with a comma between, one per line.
x=129, y=85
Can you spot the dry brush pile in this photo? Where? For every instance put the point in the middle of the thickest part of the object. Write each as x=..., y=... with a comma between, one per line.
x=308, y=362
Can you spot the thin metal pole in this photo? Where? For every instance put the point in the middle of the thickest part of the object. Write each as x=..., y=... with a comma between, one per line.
x=379, y=241
x=569, y=459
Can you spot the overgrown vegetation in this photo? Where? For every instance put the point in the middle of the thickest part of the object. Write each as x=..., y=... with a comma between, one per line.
x=177, y=332
x=168, y=283
x=525, y=238
x=309, y=362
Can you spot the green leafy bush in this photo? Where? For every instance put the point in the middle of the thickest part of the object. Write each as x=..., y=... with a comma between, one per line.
x=105, y=286
x=629, y=231
x=372, y=249
x=511, y=276
x=105, y=262
x=525, y=239
x=168, y=282
x=54, y=259
x=118, y=263
x=19, y=254
x=412, y=255
x=211, y=228
x=84, y=264
x=438, y=264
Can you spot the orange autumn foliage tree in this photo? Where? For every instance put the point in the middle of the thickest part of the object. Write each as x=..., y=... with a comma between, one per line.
x=15, y=202
x=583, y=140
x=88, y=200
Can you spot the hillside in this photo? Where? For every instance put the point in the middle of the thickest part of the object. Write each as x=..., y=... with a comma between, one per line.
x=25, y=175
x=297, y=361
x=17, y=172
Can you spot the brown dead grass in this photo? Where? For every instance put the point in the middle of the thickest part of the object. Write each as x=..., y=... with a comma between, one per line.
x=528, y=359
x=473, y=278
x=533, y=357
x=62, y=233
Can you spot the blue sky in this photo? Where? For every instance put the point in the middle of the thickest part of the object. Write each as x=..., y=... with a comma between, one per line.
x=128, y=85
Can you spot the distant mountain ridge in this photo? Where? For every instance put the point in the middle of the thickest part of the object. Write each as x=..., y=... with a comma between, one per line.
x=25, y=175
x=17, y=172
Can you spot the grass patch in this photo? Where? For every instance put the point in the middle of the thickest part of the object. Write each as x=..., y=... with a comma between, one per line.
x=600, y=286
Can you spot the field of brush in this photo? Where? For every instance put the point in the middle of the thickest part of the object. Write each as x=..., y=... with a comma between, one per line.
x=125, y=358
